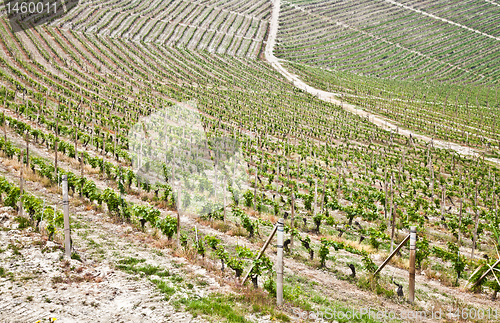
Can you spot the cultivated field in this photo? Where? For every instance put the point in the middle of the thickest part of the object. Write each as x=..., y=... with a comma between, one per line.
x=223, y=27
x=439, y=41
x=72, y=95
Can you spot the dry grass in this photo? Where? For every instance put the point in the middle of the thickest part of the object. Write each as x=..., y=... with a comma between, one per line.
x=217, y=225
x=11, y=163
x=399, y=262
x=188, y=253
x=87, y=169
x=396, y=260
x=270, y=217
x=163, y=243
x=258, y=298
x=59, y=237
x=354, y=244
x=55, y=189
x=221, y=226
x=237, y=232
x=155, y=234
x=443, y=277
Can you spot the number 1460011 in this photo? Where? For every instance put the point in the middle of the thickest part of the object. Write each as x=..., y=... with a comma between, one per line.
x=30, y=7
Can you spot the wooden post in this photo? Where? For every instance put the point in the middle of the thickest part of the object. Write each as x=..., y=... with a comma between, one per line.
x=21, y=184
x=75, y=144
x=55, y=147
x=103, y=143
x=323, y=196
x=292, y=220
x=224, y=184
x=411, y=284
x=55, y=160
x=279, y=264
x=179, y=217
x=5, y=130
x=315, y=196
x=476, y=221
x=460, y=223
x=385, y=191
x=67, y=238
x=116, y=140
x=485, y=273
x=392, y=254
x=261, y=252
x=27, y=154
x=215, y=177
x=255, y=190
x=81, y=174
x=393, y=226
x=443, y=197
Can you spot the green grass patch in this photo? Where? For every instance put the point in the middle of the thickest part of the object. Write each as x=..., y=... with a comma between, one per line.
x=223, y=308
x=23, y=222
x=131, y=261
x=5, y=273
x=164, y=288
x=129, y=266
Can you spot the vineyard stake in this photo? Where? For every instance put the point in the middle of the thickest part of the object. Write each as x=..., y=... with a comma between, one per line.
x=67, y=238
x=385, y=191
x=476, y=220
x=255, y=190
x=392, y=254
x=485, y=273
x=5, y=130
x=43, y=212
x=279, y=264
x=21, y=184
x=27, y=153
x=261, y=252
x=393, y=226
x=411, y=284
x=315, y=196
x=292, y=221
x=75, y=144
x=81, y=174
x=224, y=183
x=55, y=146
x=460, y=221
x=323, y=196
x=179, y=217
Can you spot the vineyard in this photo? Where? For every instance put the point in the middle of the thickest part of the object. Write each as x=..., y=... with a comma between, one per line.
x=394, y=39
x=444, y=88
x=221, y=27
x=161, y=116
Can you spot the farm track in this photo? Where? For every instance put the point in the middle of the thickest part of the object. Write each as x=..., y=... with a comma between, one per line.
x=326, y=96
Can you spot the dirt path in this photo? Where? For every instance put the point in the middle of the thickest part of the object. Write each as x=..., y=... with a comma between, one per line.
x=379, y=121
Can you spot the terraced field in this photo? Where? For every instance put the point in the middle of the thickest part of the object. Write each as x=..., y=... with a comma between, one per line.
x=223, y=27
x=436, y=41
x=348, y=190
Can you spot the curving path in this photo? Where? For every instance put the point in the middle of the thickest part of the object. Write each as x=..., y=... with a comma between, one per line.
x=381, y=122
